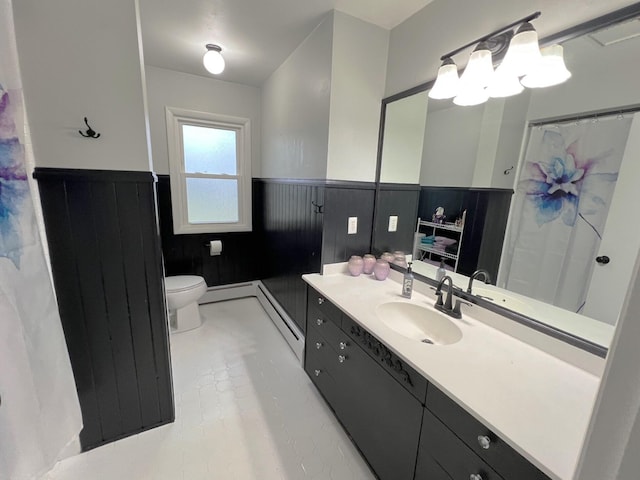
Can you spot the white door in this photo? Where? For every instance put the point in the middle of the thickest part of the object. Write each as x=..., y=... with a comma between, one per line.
x=620, y=239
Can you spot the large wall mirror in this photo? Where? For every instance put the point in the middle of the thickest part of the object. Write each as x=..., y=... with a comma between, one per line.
x=566, y=160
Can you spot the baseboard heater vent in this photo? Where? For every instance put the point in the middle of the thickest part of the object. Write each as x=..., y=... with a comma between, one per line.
x=283, y=322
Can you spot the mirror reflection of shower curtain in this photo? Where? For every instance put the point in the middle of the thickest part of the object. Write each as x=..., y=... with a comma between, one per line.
x=560, y=207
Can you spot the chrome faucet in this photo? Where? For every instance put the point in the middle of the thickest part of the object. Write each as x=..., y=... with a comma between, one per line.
x=447, y=306
x=476, y=274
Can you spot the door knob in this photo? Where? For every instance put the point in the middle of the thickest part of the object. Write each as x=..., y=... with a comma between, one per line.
x=603, y=260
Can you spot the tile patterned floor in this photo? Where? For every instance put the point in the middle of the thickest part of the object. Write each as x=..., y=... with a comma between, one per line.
x=245, y=410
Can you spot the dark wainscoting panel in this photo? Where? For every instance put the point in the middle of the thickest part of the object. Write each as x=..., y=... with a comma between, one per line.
x=400, y=200
x=189, y=254
x=290, y=238
x=498, y=203
x=487, y=211
x=341, y=202
x=107, y=269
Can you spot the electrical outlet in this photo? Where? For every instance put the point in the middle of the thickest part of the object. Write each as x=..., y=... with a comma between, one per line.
x=393, y=223
x=352, y=227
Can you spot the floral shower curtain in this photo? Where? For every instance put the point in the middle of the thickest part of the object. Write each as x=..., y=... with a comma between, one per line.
x=560, y=208
x=39, y=410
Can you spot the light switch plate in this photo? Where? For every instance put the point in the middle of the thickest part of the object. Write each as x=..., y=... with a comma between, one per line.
x=352, y=227
x=393, y=223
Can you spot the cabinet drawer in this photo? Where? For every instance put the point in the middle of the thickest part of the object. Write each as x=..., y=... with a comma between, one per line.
x=504, y=459
x=415, y=383
x=453, y=456
x=320, y=303
x=328, y=326
x=319, y=364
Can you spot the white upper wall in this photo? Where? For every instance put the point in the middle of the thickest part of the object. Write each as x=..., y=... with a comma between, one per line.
x=82, y=59
x=167, y=88
x=295, y=110
x=357, y=87
x=417, y=44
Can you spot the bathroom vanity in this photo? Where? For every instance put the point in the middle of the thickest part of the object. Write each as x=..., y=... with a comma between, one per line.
x=443, y=398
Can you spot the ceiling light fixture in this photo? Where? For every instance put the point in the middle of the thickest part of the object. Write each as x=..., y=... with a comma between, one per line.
x=213, y=60
x=524, y=65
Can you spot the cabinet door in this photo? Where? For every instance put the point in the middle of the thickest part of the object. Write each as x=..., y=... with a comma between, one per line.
x=439, y=446
x=381, y=416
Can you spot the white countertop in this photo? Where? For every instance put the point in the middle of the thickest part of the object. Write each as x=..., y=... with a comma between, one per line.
x=537, y=403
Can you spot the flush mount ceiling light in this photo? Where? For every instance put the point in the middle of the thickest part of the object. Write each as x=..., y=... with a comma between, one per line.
x=213, y=60
x=523, y=66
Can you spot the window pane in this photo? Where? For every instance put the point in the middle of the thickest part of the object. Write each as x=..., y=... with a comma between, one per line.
x=212, y=200
x=209, y=150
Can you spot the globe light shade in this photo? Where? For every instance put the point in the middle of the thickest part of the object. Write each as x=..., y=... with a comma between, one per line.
x=471, y=96
x=213, y=60
x=504, y=84
x=550, y=70
x=523, y=53
x=477, y=75
x=447, y=81
x=479, y=71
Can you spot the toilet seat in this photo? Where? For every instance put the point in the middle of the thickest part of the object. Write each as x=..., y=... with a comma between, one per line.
x=182, y=283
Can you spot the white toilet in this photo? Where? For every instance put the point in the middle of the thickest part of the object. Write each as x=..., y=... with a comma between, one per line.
x=183, y=293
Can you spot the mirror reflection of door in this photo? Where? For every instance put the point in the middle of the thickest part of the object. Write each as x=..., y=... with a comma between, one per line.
x=573, y=196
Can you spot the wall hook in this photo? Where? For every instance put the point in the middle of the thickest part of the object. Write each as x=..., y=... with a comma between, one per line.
x=508, y=170
x=318, y=208
x=91, y=133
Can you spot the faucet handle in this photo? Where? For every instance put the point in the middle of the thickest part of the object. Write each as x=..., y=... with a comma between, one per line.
x=456, y=308
x=439, y=295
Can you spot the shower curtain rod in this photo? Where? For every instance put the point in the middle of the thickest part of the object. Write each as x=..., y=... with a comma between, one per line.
x=595, y=114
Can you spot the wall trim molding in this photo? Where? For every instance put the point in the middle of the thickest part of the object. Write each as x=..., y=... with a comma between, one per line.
x=90, y=175
x=413, y=187
x=319, y=182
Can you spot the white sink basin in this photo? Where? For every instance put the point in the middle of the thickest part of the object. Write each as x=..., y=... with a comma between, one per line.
x=419, y=323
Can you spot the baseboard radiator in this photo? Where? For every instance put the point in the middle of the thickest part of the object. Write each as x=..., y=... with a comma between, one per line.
x=283, y=322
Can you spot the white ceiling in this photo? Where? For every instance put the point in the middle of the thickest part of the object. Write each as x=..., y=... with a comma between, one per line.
x=256, y=36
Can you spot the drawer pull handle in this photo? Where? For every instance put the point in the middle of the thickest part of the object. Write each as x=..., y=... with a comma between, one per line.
x=317, y=372
x=319, y=321
x=484, y=441
x=341, y=358
x=343, y=345
x=475, y=476
x=318, y=345
x=320, y=300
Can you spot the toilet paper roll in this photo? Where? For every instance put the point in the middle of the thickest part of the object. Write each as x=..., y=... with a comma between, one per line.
x=215, y=247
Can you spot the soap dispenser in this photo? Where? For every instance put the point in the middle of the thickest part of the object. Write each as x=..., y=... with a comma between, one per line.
x=441, y=272
x=407, y=283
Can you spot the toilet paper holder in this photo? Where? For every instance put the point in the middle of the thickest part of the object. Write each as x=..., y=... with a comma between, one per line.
x=214, y=246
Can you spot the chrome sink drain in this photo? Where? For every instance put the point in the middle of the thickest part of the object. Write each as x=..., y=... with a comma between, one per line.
x=427, y=340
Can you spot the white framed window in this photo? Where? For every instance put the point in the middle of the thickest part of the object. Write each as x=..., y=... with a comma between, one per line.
x=210, y=171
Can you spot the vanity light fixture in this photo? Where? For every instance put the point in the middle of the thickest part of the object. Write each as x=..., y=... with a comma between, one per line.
x=524, y=65
x=213, y=60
